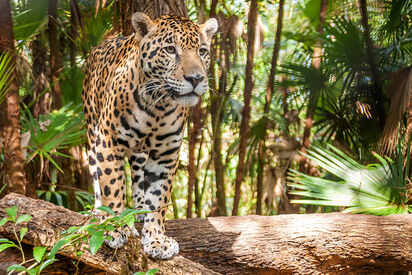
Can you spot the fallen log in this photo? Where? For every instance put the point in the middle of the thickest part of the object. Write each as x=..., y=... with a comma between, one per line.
x=50, y=220
x=286, y=244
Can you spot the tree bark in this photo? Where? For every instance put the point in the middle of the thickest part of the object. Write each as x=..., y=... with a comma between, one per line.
x=195, y=123
x=75, y=24
x=331, y=243
x=244, y=124
x=50, y=220
x=13, y=175
x=268, y=101
x=198, y=194
x=153, y=8
x=217, y=103
x=216, y=118
x=41, y=85
x=55, y=57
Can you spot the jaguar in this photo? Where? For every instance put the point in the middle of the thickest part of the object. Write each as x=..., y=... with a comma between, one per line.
x=136, y=95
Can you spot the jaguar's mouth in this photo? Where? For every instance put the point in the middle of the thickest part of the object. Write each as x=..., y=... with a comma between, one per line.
x=189, y=94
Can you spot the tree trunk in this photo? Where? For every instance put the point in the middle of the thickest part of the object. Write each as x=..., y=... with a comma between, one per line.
x=55, y=57
x=56, y=67
x=126, y=8
x=370, y=52
x=198, y=197
x=331, y=243
x=153, y=8
x=268, y=101
x=193, y=132
x=316, y=61
x=217, y=103
x=13, y=175
x=158, y=8
x=244, y=125
x=74, y=26
x=217, y=157
x=41, y=94
x=42, y=104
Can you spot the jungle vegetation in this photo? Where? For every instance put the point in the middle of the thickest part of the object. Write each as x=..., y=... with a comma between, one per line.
x=309, y=109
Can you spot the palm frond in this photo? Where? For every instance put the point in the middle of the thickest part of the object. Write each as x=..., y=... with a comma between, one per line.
x=53, y=132
x=6, y=74
x=378, y=189
x=345, y=48
x=30, y=18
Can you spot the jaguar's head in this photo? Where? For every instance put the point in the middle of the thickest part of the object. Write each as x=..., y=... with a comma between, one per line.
x=174, y=55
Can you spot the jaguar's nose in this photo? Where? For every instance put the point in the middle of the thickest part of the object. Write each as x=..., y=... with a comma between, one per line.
x=194, y=79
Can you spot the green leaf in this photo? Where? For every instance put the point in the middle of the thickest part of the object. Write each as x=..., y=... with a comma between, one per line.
x=23, y=232
x=30, y=20
x=107, y=210
x=38, y=253
x=149, y=272
x=152, y=271
x=60, y=243
x=6, y=245
x=16, y=267
x=72, y=229
x=129, y=220
x=46, y=263
x=4, y=240
x=59, y=198
x=109, y=227
x=87, y=227
x=48, y=195
x=96, y=241
x=33, y=271
x=12, y=212
x=23, y=218
x=3, y=221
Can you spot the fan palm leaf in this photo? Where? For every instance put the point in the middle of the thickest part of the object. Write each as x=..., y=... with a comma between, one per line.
x=379, y=189
x=55, y=131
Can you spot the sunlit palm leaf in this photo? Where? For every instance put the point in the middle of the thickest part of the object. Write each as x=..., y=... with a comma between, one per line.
x=6, y=74
x=378, y=189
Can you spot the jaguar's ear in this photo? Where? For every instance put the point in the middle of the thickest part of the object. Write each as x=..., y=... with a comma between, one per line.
x=209, y=28
x=142, y=24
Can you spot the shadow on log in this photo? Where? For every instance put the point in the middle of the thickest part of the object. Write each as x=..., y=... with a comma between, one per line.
x=285, y=244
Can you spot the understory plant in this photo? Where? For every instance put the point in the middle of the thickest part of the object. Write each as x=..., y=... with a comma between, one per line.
x=381, y=188
x=54, y=132
x=93, y=234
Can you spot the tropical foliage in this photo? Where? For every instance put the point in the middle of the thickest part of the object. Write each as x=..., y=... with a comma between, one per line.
x=355, y=95
x=380, y=188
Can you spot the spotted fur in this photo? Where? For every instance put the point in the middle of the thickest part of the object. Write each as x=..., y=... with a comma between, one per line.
x=136, y=94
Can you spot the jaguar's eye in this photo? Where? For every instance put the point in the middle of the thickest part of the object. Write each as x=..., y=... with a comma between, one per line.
x=170, y=50
x=203, y=51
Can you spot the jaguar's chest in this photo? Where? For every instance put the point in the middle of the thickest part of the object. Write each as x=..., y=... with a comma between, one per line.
x=154, y=130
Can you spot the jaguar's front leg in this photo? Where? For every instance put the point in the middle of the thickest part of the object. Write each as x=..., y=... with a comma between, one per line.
x=137, y=162
x=157, y=195
x=106, y=166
